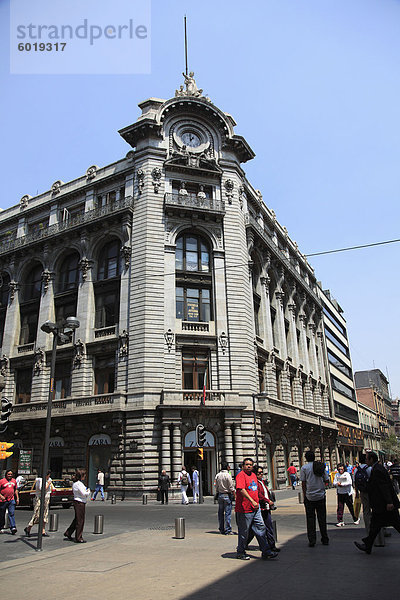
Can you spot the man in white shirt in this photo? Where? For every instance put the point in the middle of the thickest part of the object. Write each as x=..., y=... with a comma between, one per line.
x=314, y=499
x=81, y=495
x=195, y=485
x=99, y=485
x=184, y=482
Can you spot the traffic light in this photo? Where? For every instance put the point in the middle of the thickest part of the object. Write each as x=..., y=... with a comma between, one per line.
x=6, y=408
x=200, y=435
x=4, y=446
x=200, y=453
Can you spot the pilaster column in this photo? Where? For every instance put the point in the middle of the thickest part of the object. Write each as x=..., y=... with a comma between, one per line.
x=321, y=361
x=166, y=448
x=303, y=350
x=280, y=325
x=228, y=444
x=176, y=451
x=313, y=353
x=293, y=348
x=12, y=323
x=266, y=313
x=238, y=444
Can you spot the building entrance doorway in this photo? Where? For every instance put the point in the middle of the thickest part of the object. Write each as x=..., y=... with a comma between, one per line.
x=99, y=457
x=190, y=460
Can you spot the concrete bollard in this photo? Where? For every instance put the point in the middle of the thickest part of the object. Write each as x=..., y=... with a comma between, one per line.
x=98, y=524
x=144, y=499
x=53, y=525
x=180, y=528
x=113, y=499
x=275, y=528
x=301, y=497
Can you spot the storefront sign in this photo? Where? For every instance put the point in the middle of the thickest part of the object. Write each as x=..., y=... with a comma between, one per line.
x=100, y=439
x=25, y=462
x=190, y=440
x=350, y=436
x=56, y=442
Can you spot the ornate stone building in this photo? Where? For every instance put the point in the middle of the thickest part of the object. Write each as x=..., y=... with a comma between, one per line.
x=182, y=279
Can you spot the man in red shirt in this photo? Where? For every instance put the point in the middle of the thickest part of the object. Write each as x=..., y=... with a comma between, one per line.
x=292, y=472
x=8, y=499
x=248, y=513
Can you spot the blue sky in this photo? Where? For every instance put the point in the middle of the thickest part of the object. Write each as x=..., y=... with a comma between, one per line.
x=314, y=86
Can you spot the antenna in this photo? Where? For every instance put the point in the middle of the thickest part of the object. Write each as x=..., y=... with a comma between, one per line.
x=186, y=52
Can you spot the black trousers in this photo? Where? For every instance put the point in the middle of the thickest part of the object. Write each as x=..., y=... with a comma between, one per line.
x=164, y=496
x=318, y=508
x=267, y=518
x=78, y=522
x=379, y=520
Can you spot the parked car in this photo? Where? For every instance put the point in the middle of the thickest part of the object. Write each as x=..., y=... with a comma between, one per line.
x=61, y=494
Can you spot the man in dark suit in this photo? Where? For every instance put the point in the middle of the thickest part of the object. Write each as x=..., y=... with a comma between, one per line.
x=383, y=500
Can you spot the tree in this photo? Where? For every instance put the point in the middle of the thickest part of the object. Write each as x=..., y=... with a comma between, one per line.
x=391, y=446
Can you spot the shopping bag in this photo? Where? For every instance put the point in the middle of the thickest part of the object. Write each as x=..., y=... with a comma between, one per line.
x=158, y=495
x=357, y=507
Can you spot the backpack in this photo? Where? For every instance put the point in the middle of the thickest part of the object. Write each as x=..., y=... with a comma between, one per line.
x=318, y=468
x=184, y=480
x=361, y=479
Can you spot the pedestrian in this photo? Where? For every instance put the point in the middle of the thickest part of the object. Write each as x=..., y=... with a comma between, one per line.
x=292, y=471
x=20, y=481
x=195, y=485
x=8, y=500
x=343, y=483
x=184, y=482
x=314, y=493
x=266, y=505
x=394, y=472
x=163, y=486
x=36, y=511
x=248, y=513
x=348, y=467
x=81, y=496
x=383, y=500
x=225, y=492
x=99, y=485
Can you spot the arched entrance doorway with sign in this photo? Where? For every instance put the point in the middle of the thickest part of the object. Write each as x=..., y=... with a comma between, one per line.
x=56, y=456
x=99, y=450
x=208, y=465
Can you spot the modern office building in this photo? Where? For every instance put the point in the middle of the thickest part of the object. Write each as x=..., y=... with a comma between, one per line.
x=195, y=306
x=343, y=397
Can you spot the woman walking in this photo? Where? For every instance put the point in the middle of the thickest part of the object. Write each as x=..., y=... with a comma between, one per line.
x=36, y=512
x=343, y=483
x=81, y=495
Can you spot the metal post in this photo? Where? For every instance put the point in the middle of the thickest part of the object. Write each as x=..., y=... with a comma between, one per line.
x=301, y=497
x=53, y=526
x=113, y=499
x=255, y=426
x=201, y=497
x=47, y=441
x=98, y=524
x=180, y=528
x=275, y=528
x=144, y=499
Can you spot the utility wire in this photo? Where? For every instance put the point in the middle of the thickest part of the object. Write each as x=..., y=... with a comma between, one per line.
x=352, y=248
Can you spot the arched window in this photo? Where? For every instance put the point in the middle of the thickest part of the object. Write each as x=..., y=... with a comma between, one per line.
x=4, y=293
x=109, y=261
x=32, y=286
x=69, y=273
x=193, y=279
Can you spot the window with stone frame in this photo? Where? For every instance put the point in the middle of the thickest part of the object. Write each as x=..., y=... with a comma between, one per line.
x=62, y=380
x=107, y=287
x=261, y=377
x=68, y=277
x=23, y=385
x=109, y=261
x=104, y=374
x=256, y=306
x=29, y=315
x=278, y=384
x=195, y=369
x=31, y=288
x=4, y=295
x=193, y=279
x=107, y=306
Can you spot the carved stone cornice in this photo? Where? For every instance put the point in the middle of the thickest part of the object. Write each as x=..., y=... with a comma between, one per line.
x=85, y=264
x=47, y=276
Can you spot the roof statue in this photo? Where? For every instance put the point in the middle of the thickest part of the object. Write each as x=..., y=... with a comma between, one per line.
x=191, y=88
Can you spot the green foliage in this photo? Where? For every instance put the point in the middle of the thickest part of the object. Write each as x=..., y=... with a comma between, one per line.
x=391, y=446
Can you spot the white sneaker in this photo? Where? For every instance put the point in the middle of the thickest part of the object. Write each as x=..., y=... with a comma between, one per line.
x=357, y=522
x=340, y=524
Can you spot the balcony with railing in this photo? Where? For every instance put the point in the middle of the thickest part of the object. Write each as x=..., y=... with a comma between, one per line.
x=70, y=406
x=191, y=203
x=106, y=331
x=66, y=225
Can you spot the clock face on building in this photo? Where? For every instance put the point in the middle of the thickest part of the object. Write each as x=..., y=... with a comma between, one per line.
x=190, y=139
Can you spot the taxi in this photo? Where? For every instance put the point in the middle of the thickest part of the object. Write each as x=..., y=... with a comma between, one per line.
x=61, y=493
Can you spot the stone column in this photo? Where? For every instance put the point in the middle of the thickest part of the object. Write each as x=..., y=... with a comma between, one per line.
x=303, y=350
x=293, y=348
x=321, y=362
x=176, y=451
x=280, y=326
x=228, y=444
x=266, y=313
x=12, y=323
x=238, y=445
x=166, y=448
x=313, y=353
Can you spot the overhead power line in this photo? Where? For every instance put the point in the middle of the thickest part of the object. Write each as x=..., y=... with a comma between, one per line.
x=352, y=248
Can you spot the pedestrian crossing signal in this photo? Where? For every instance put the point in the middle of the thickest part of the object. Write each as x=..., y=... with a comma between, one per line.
x=200, y=453
x=4, y=446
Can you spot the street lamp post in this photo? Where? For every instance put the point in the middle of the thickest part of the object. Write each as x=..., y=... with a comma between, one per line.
x=63, y=334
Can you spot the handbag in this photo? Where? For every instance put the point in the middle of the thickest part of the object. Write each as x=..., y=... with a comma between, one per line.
x=158, y=495
x=357, y=507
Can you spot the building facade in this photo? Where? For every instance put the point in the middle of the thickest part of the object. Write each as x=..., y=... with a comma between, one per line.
x=195, y=306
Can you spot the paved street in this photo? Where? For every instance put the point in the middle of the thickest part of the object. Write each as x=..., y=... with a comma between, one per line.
x=138, y=556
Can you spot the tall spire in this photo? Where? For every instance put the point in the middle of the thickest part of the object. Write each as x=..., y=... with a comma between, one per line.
x=186, y=47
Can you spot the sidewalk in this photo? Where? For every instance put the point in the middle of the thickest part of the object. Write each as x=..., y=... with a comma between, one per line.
x=150, y=564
